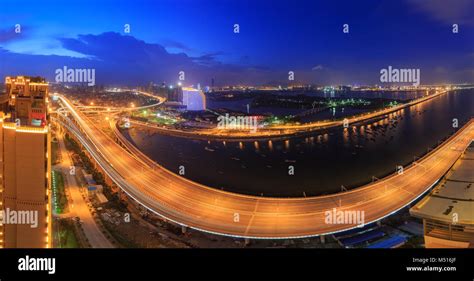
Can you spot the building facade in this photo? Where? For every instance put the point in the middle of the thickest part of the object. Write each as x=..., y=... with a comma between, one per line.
x=25, y=165
x=194, y=99
x=448, y=210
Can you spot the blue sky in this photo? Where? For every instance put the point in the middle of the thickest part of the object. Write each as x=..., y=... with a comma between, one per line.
x=275, y=37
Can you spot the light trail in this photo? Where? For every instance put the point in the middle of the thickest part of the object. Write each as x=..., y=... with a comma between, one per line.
x=211, y=210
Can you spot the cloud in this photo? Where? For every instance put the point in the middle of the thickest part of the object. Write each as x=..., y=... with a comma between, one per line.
x=208, y=59
x=449, y=12
x=317, y=67
x=9, y=35
x=167, y=43
x=123, y=59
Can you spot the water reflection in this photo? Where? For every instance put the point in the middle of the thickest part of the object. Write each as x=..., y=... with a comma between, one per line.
x=323, y=161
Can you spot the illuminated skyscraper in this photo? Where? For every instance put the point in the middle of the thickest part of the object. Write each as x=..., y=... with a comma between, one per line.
x=25, y=165
x=194, y=99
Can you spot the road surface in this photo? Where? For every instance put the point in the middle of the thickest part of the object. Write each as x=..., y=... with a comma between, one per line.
x=211, y=210
x=78, y=207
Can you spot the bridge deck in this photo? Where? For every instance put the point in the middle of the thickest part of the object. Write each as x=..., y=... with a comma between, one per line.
x=211, y=210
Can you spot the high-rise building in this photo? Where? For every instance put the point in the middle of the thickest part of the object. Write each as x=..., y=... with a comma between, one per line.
x=27, y=99
x=25, y=165
x=175, y=94
x=161, y=90
x=194, y=99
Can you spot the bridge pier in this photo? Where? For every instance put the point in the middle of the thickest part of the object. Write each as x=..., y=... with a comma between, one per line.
x=323, y=239
x=183, y=229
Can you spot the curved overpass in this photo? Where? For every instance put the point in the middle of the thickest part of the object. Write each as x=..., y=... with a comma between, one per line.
x=100, y=108
x=194, y=205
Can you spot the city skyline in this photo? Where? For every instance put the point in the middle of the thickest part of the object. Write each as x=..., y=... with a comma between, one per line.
x=198, y=37
x=136, y=128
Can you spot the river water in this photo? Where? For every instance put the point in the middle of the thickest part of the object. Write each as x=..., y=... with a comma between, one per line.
x=323, y=162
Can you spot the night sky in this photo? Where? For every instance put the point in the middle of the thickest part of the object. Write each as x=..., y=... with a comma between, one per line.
x=275, y=37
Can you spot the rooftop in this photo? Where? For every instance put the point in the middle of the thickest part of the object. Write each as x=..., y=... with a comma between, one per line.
x=453, y=195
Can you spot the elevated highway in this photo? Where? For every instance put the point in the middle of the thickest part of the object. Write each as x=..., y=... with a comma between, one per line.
x=211, y=210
